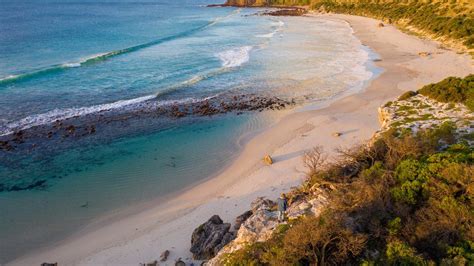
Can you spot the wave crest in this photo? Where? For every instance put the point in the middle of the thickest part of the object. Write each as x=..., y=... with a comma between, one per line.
x=62, y=114
x=235, y=57
x=105, y=56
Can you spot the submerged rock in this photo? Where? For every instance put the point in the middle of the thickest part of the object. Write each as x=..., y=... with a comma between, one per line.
x=210, y=237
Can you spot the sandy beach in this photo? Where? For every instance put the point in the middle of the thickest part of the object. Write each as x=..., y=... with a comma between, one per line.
x=167, y=225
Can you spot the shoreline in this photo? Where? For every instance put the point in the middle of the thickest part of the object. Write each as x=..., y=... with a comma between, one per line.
x=142, y=237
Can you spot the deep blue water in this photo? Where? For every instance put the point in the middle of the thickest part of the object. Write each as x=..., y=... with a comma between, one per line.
x=69, y=59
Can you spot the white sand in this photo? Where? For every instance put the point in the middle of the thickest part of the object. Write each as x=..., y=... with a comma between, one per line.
x=168, y=225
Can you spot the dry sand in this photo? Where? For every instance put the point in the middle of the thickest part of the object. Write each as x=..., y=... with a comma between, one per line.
x=159, y=226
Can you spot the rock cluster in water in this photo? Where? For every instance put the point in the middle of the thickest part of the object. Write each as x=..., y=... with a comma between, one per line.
x=82, y=126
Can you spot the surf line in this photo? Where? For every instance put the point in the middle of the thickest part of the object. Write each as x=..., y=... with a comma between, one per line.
x=105, y=56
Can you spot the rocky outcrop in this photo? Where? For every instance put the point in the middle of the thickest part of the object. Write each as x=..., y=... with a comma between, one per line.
x=415, y=112
x=241, y=219
x=210, y=237
x=260, y=225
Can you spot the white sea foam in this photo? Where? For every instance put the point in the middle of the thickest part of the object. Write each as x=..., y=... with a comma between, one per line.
x=278, y=25
x=235, y=57
x=8, y=77
x=268, y=35
x=84, y=60
x=61, y=114
x=71, y=65
x=218, y=19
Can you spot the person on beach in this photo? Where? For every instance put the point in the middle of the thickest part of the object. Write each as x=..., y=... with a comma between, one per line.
x=282, y=205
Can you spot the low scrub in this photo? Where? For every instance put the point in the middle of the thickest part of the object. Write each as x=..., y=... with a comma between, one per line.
x=452, y=90
x=449, y=19
x=406, y=200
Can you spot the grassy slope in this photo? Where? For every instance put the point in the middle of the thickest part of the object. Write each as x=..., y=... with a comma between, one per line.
x=405, y=200
x=450, y=21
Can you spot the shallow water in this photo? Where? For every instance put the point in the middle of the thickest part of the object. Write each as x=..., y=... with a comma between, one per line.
x=71, y=59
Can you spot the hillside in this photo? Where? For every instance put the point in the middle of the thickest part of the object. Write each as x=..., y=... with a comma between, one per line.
x=406, y=198
x=451, y=22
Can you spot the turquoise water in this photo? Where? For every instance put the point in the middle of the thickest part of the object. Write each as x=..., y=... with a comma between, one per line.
x=76, y=60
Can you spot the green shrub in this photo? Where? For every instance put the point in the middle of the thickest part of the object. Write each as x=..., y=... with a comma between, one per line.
x=407, y=95
x=433, y=17
x=454, y=90
x=412, y=177
x=399, y=253
x=407, y=199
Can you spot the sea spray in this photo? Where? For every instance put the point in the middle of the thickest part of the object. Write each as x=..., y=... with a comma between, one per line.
x=235, y=57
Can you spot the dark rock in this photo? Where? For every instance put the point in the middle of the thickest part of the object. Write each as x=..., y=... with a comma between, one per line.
x=71, y=129
x=179, y=262
x=241, y=219
x=4, y=145
x=209, y=238
x=49, y=264
x=92, y=129
x=35, y=185
x=262, y=204
x=152, y=263
x=164, y=255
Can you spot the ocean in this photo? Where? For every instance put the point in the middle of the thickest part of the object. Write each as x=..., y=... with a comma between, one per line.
x=86, y=89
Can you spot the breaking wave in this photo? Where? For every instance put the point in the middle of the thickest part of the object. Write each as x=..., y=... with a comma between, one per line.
x=61, y=114
x=235, y=57
x=105, y=56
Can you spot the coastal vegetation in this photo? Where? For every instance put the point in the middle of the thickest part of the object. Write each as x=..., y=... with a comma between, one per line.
x=405, y=199
x=451, y=21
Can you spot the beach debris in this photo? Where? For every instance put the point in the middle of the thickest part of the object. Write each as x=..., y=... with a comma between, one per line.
x=180, y=262
x=241, y=218
x=164, y=255
x=153, y=263
x=424, y=54
x=337, y=134
x=49, y=264
x=208, y=238
x=381, y=25
x=268, y=159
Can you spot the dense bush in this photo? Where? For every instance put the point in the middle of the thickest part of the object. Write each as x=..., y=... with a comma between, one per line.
x=452, y=89
x=409, y=202
x=454, y=21
x=407, y=199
